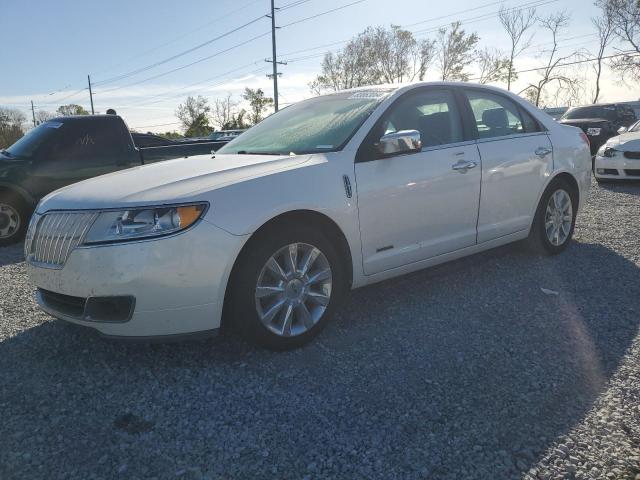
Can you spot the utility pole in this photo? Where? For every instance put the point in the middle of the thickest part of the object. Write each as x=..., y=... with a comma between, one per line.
x=90, y=93
x=274, y=59
x=33, y=114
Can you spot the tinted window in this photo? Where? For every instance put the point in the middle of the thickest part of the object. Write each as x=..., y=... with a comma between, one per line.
x=607, y=112
x=530, y=124
x=433, y=113
x=31, y=142
x=86, y=141
x=495, y=115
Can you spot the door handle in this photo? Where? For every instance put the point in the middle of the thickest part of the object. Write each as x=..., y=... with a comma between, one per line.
x=462, y=166
x=542, y=151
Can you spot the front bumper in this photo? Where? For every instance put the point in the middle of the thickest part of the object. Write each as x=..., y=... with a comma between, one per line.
x=617, y=167
x=177, y=282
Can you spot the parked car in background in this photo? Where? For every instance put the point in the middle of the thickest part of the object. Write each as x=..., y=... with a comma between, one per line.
x=225, y=135
x=66, y=150
x=335, y=192
x=599, y=122
x=619, y=157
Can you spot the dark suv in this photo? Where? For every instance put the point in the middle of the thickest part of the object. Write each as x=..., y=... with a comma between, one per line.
x=600, y=122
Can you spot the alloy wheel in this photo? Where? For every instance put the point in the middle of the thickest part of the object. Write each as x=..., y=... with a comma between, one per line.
x=558, y=217
x=293, y=289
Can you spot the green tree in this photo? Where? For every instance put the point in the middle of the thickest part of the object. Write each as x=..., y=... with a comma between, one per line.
x=376, y=55
x=194, y=115
x=258, y=103
x=71, y=109
x=238, y=121
x=456, y=51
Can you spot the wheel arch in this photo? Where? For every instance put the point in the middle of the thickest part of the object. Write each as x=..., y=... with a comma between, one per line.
x=322, y=222
x=18, y=192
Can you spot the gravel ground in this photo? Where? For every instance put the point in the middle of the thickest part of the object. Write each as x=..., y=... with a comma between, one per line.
x=468, y=370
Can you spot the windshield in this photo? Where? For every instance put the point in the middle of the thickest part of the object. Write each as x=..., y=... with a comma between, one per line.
x=27, y=145
x=596, y=111
x=320, y=124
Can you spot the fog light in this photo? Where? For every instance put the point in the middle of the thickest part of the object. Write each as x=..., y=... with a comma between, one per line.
x=109, y=309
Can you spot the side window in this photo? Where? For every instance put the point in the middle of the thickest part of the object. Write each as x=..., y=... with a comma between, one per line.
x=86, y=142
x=495, y=116
x=433, y=113
x=528, y=122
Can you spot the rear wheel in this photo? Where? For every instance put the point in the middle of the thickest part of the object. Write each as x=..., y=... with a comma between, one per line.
x=286, y=287
x=555, y=218
x=13, y=219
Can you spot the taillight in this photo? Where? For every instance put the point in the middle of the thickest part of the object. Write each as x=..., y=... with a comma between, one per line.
x=585, y=139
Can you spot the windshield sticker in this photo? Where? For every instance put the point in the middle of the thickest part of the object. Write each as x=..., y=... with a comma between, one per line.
x=373, y=94
x=53, y=124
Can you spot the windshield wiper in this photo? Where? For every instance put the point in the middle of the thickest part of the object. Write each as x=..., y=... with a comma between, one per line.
x=246, y=152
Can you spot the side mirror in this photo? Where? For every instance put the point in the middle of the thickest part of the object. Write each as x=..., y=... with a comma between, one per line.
x=404, y=141
x=622, y=130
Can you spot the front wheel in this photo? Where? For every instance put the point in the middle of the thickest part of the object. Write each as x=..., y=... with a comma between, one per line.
x=13, y=219
x=286, y=287
x=555, y=218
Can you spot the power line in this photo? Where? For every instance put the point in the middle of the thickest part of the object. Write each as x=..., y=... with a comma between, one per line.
x=189, y=64
x=322, y=13
x=180, y=37
x=178, y=55
x=208, y=57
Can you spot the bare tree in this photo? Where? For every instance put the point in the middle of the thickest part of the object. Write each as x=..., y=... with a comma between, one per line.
x=604, y=28
x=456, y=51
x=11, y=126
x=223, y=110
x=493, y=66
x=553, y=71
x=517, y=22
x=43, y=116
x=625, y=18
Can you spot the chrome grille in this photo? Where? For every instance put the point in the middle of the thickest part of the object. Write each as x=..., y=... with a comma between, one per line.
x=56, y=235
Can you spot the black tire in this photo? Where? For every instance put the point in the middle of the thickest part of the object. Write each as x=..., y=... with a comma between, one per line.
x=12, y=209
x=242, y=314
x=538, y=239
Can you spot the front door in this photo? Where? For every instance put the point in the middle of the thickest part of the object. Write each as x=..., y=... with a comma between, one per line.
x=419, y=205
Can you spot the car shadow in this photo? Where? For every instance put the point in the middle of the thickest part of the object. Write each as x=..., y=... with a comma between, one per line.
x=11, y=254
x=438, y=373
x=631, y=187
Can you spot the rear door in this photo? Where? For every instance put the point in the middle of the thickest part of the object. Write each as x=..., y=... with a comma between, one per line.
x=418, y=205
x=517, y=158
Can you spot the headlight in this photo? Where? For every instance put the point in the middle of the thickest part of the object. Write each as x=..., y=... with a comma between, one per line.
x=139, y=223
x=594, y=132
x=609, y=152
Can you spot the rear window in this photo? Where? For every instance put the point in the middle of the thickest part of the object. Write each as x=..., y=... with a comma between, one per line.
x=78, y=141
x=607, y=112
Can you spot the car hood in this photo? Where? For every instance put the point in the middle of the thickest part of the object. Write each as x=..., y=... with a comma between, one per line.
x=171, y=181
x=627, y=142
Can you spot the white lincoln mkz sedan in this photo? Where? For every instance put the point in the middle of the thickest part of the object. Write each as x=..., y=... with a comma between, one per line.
x=335, y=192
